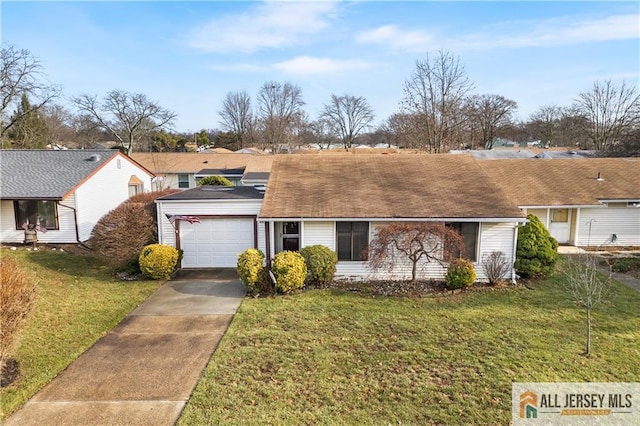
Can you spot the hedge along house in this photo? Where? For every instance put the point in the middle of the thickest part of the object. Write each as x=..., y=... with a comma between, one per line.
x=64, y=192
x=339, y=202
x=591, y=202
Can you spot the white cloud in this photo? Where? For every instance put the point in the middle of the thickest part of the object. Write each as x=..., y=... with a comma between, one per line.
x=310, y=65
x=555, y=32
x=397, y=39
x=270, y=25
x=552, y=32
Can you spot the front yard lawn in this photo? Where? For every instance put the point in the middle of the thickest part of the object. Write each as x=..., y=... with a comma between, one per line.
x=78, y=300
x=328, y=356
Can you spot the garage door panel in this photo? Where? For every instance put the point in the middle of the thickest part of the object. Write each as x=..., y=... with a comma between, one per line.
x=215, y=243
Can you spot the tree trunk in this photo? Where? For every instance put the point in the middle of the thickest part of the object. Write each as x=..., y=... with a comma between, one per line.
x=413, y=271
x=588, y=331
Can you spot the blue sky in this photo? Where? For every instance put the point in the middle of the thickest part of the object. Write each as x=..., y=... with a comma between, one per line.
x=189, y=55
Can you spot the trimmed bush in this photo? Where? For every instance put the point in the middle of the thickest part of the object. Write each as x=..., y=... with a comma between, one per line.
x=250, y=269
x=460, y=273
x=215, y=181
x=158, y=261
x=120, y=235
x=290, y=271
x=17, y=298
x=495, y=266
x=537, y=250
x=321, y=263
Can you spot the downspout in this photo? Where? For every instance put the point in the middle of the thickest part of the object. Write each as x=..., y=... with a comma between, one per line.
x=513, y=253
x=75, y=222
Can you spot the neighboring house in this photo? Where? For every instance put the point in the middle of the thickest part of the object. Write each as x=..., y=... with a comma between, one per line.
x=339, y=201
x=583, y=202
x=65, y=192
x=181, y=170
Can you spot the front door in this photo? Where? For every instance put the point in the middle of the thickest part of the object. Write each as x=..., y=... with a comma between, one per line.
x=560, y=225
x=289, y=236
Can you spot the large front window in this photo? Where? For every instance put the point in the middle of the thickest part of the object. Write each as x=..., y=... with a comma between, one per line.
x=353, y=240
x=469, y=233
x=32, y=211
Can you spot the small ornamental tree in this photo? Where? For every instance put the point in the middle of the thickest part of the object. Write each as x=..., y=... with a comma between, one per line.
x=290, y=271
x=537, y=250
x=120, y=235
x=586, y=286
x=413, y=241
x=321, y=263
x=215, y=181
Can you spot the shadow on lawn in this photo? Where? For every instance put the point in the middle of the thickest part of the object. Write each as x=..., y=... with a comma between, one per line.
x=73, y=264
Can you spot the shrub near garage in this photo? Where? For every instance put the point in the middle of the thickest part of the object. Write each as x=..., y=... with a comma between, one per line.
x=460, y=273
x=251, y=270
x=290, y=271
x=158, y=261
x=321, y=263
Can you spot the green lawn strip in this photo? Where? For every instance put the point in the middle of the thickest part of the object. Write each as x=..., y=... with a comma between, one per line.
x=324, y=356
x=78, y=301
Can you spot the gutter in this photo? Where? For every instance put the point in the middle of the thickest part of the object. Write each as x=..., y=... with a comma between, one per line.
x=75, y=221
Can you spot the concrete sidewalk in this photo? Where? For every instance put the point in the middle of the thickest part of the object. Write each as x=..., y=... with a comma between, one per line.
x=144, y=370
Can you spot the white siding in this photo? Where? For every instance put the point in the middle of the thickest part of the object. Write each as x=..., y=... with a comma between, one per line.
x=495, y=237
x=319, y=233
x=492, y=236
x=104, y=191
x=66, y=232
x=167, y=234
x=624, y=222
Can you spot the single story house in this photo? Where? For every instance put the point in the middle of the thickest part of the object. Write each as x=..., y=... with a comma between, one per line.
x=592, y=202
x=63, y=192
x=340, y=201
x=182, y=170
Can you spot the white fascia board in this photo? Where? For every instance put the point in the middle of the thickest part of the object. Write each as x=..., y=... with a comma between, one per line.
x=564, y=206
x=393, y=219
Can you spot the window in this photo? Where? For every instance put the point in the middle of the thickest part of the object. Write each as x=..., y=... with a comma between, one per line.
x=469, y=232
x=560, y=215
x=183, y=181
x=353, y=240
x=30, y=211
x=136, y=186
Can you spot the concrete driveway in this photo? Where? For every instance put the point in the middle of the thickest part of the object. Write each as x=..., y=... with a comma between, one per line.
x=144, y=370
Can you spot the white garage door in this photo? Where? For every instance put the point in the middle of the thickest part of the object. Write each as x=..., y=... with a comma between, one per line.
x=215, y=243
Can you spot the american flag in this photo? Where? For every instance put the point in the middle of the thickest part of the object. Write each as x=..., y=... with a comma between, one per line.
x=173, y=217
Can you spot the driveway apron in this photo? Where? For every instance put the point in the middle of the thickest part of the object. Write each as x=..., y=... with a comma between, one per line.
x=144, y=370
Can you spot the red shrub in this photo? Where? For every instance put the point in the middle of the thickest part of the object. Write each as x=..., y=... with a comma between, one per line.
x=120, y=235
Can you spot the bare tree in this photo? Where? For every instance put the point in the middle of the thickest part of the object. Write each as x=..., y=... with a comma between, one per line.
x=59, y=123
x=495, y=266
x=435, y=93
x=348, y=116
x=415, y=242
x=21, y=74
x=544, y=124
x=129, y=117
x=487, y=114
x=236, y=114
x=586, y=286
x=610, y=111
x=278, y=105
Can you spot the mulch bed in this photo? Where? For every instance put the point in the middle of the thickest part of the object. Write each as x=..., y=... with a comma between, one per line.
x=416, y=288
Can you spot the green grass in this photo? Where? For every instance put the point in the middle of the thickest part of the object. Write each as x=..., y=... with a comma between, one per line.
x=326, y=356
x=78, y=301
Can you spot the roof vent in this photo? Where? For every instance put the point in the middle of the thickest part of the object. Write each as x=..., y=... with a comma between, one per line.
x=94, y=158
x=599, y=178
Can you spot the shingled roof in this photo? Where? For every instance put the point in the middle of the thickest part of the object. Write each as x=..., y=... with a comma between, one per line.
x=191, y=162
x=383, y=186
x=47, y=174
x=565, y=182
